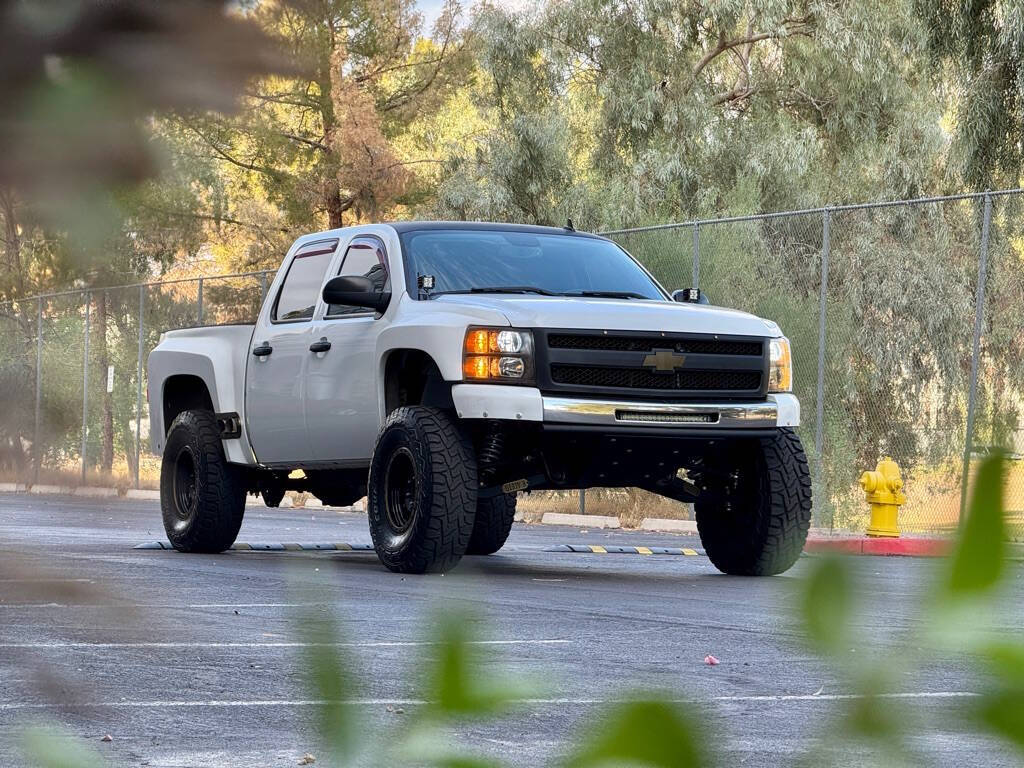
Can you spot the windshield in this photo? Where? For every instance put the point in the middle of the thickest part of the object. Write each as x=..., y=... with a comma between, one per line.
x=469, y=261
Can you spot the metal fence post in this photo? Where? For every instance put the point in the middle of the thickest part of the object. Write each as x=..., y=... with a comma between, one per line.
x=263, y=287
x=819, y=397
x=696, y=255
x=138, y=378
x=85, y=384
x=199, y=301
x=979, y=311
x=36, y=446
x=583, y=501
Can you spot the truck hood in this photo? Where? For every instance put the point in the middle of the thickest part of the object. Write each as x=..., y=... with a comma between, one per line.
x=616, y=314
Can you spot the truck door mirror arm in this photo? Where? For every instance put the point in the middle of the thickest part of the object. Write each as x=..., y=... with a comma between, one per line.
x=356, y=291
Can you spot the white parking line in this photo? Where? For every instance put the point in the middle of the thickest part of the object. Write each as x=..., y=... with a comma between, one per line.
x=853, y=696
x=172, y=703
x=285, y=644
x=172, y=606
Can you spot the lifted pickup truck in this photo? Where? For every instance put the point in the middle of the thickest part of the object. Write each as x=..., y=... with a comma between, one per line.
x=441, y=368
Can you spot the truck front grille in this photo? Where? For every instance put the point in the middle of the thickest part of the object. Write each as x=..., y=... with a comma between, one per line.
x=652, y=365
x=648, y=344
x=590, y=376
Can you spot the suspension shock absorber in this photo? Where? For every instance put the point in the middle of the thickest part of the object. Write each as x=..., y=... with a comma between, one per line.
x=490, y=452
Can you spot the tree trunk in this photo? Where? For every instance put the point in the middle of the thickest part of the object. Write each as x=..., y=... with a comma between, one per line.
x=333, y=204
x=107, y=449
x=12, y=243
x=127, y=430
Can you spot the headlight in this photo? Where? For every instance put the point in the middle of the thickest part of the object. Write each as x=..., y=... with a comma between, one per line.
x=501, y=355
x=780, y=374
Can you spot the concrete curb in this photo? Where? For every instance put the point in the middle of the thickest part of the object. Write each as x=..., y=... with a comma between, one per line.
x=580, y=521
x=51, y=490
x=13, y=488
x=142, y=495
x=668, y=525
x=901, y=547
x=95, y=492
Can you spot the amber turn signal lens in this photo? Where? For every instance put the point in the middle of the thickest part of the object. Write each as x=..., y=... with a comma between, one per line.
x=478, y=342
x=780, y=372
x=476, y=367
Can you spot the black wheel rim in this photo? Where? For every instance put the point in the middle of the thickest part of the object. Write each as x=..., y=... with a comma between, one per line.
x=185, y=494
x=400, y=491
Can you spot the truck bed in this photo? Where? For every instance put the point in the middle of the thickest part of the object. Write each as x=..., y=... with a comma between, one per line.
x=195, y=352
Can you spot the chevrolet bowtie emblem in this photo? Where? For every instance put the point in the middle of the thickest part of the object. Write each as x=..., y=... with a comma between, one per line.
x=664, y=360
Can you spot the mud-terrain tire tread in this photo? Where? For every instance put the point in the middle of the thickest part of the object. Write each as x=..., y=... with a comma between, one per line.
x=773, y=534
x=444, y=461
x=494, y=517
x=221, y=494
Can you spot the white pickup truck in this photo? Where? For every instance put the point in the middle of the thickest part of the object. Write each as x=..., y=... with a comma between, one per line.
x=442, y=368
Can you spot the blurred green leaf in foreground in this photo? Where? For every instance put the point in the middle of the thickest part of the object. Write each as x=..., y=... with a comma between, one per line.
x=50, y=748
x=979, y=559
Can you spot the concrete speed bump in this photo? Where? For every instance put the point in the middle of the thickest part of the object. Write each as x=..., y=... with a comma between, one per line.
x=580, y=521
x=665, y=524
x=242, y=546
x=618, y=549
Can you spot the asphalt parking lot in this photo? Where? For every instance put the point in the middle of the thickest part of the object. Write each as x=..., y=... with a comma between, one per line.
x=195, y=660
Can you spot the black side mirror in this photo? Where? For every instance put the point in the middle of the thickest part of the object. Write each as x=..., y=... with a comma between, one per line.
x=690, y=296
x=356, y=291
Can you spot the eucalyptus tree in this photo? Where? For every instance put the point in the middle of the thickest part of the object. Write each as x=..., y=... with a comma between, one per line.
x=627, y=112
x=978, y=50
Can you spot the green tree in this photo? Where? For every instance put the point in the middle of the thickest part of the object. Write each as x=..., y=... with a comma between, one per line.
x=318, y=147
x=624, y=113
x=978, y=52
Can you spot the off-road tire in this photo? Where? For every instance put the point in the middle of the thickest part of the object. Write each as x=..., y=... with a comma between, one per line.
x=422, y=458
x=202, y=497
x=759, y=528
x=494, y=516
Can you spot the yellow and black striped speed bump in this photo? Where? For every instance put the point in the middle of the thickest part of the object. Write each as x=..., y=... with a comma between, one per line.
x=597, y=549
x=242, y=546
x=618, y=549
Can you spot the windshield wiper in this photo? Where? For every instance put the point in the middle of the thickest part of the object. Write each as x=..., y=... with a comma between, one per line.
x=609, y=294
x=501, y=289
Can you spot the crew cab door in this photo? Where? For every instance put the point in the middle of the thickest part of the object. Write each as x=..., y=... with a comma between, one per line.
x=275, y=374
x=342, y=413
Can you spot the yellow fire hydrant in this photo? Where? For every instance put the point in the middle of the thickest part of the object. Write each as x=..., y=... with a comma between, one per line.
x=884, y=489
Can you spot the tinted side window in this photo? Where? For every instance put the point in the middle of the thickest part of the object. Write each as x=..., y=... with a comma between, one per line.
x=365, y=256
x=301, y=288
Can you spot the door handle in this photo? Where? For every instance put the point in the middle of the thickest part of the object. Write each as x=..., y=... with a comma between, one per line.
x=262, y=350
x=320, y=346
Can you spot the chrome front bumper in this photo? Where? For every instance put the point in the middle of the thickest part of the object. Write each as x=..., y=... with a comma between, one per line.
x=495, y=401
x=566, y=410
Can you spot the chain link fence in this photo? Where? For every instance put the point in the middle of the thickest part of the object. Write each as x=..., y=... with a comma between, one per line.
x=72, y=369
x=907, y=333
x=905, y=320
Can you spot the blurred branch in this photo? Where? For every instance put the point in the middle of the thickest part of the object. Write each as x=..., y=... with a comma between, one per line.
x=79, y=80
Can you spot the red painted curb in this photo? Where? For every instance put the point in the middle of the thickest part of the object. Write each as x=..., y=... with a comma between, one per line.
x=903, y=547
